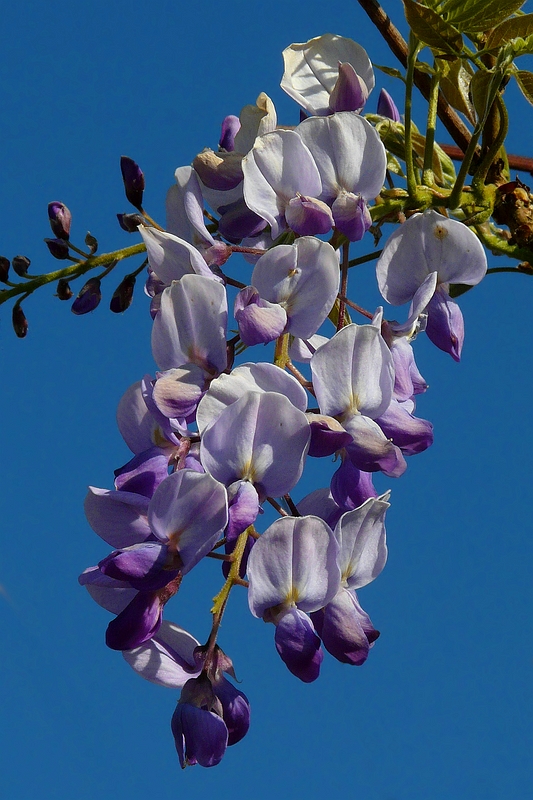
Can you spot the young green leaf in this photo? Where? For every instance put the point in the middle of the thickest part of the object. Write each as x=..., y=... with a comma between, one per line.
x=524, y=80
x=510, y=29
x=432, y=30
x=481, y=15
x=455, y=86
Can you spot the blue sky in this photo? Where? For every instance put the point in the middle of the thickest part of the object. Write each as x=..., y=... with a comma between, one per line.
x=441, y=708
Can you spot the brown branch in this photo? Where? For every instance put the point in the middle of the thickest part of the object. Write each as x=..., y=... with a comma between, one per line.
x=520, y=163
x=451, y=121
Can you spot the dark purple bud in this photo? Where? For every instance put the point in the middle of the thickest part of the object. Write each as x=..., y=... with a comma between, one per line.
x=91, y=242
x=130, y=222
x=133, y=178
x=123, y=295
x=60, y=219
x=230, y=127
x=20, y=264
x=64, y=292
x=58, y=248
x=350, y=92
x=387, y=107
x=4, y=269
x=445, y=324
x=88, y=297
x=20, y=323
x=200, y=735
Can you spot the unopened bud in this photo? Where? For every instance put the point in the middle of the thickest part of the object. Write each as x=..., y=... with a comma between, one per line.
x=387, y=107
x=20, y=264
x=133, y=178
x=88, y=297
x=123, y=295
x=58, y=248
x=60, y=219
x=4, y=269
x=350, y=92
x=20, y=323
x=64, y=292
x=230, y=127
x=91, y=242
x=130, y=222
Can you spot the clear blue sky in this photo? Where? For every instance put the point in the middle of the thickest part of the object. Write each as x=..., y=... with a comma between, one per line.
x=441, y=709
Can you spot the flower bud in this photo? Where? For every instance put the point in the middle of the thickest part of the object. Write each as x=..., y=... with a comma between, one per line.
x=91, y=242
x=387, y=107
x=230, y=127
x=123, y=295
x=60, y=219
x=20, y=323
x=88, y=297
x=130, y=222
x=64, y=292
x=133, y=178
x=350, y=92
x=20, y=264
x=4, y=269
x=58, y=248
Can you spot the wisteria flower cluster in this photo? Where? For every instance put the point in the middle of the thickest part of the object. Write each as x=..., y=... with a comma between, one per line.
x=216, y=435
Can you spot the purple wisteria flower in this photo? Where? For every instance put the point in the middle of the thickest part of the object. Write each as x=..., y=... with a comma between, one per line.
x=352, y=162
x=326, y=74
x=282, y=184
x=428, y=247
x=185, y=518
x=292, y=571
x=353, y=378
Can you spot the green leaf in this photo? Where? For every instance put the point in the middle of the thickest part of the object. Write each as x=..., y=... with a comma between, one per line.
x=479, y=89
x=510, y=29
x=524, y=80
x=455, y=86
x=432, y=30
x=481, y=15
x=394, y=73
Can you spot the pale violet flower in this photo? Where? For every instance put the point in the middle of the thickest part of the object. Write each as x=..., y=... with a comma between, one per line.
x=312, y=71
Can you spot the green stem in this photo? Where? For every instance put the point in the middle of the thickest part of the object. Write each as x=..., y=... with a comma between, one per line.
x=414, y=49
x=74, y=271
x=428, y=178
x=480, y=174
